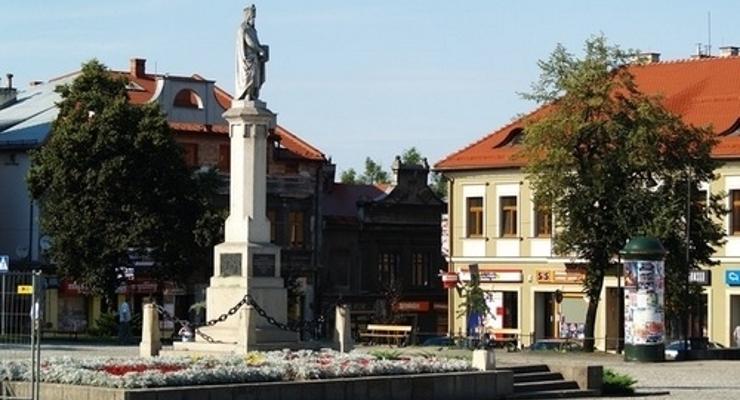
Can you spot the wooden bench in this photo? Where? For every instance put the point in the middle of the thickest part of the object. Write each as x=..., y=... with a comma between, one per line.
x=391, y=334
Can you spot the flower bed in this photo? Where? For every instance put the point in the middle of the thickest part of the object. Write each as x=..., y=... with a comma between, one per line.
x=254, y=367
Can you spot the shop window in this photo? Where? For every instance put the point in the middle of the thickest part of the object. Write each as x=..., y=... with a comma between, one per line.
x=420, y=269
x=508, y=216
x=272, y=217
x=388, y=268
x=296, y=225
x=735, y=210
x=190, y=154
x=504, y=307
x=224, y=158
x=340, y=263
x=474, y=210
x=542, y=221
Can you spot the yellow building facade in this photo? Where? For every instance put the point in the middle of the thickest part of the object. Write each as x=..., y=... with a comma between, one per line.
x=536, y=294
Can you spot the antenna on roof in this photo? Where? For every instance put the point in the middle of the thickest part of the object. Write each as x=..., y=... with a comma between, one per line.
x=709, y=33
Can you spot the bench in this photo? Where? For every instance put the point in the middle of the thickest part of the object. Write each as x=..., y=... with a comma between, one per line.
x=391, y=334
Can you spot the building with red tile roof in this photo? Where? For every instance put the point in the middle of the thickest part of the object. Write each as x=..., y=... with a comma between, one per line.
x=494, y=224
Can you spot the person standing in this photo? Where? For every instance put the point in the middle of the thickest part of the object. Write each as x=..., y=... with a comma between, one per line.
x=736, y=336
x=124, y=320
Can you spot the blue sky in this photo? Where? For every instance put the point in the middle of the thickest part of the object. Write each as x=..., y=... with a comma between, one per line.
x=358, y=78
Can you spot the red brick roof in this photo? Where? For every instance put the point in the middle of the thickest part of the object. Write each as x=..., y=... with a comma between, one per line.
x=704, y=92
x=146, y=85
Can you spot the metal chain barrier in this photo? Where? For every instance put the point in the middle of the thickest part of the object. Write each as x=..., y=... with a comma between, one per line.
x=310, y=327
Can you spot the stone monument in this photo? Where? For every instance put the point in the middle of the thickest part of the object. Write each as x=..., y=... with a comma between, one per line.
x=246, y=262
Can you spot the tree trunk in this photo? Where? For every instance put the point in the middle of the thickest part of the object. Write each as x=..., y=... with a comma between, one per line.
x=590, y=328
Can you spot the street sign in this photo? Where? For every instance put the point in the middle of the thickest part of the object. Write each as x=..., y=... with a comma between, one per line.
x=732, y=277
x=25, y=289
x=4, y=264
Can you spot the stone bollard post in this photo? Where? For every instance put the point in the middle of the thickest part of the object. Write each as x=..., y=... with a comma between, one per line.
x=484, y=360
x=247, y=326
x=150, y=335
x=342, y=329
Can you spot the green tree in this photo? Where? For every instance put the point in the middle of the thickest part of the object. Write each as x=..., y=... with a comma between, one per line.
x=412, y=156
x=349, y=176
x=374, y=173
x=111, y=179
x=595, y=153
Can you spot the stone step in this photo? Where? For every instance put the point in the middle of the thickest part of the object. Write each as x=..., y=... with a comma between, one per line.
x=523, y=369
x=554, y=394
x=525, y=387
x=537, y=377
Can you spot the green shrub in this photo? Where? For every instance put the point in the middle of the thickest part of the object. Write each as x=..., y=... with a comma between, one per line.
x=105, y=326
x=386, y=354
x=617, y=384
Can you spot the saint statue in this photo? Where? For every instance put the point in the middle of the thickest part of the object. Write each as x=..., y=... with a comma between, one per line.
x=251, y=57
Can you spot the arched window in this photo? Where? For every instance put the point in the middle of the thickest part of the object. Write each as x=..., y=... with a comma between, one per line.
x=187, y=98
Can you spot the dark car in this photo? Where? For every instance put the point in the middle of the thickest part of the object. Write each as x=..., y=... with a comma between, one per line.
x=561, y=345
x=672, y=349
x=439, y=341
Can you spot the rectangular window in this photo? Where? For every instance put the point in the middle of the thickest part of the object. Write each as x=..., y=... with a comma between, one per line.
x=340, y=262
x=388, y=268
x=474, y=210
x=508, y=216
x=735, y=210
x=272, y=217
x=190, y=154
x=420, y=269
x=296, y=226
x=542, y=221
x=224, y=158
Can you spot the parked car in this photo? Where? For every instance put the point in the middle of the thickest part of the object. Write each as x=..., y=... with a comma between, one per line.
x=561, y=345
x=439, y=341
x=672, y=349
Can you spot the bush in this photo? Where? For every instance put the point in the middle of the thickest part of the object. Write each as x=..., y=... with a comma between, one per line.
x=386, y=354
x=617, y=384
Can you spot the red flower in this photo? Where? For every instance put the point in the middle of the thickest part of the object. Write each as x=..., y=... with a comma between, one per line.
x=118, y=369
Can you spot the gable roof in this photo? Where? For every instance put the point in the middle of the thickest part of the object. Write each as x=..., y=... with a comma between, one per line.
x=704, y=92
x=27, y=122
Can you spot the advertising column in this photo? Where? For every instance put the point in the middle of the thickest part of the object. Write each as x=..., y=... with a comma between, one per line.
x=644, y=314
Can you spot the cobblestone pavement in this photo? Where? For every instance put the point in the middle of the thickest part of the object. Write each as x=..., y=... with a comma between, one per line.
x=684, y=380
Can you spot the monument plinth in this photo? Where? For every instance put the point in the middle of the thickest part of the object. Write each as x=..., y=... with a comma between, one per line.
x=246, y=262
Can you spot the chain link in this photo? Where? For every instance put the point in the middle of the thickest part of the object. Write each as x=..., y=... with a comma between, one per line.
x=310, y=327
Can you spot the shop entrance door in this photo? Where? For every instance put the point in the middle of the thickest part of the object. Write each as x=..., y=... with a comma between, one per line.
x=614, y=318
x=734, y=318
x=544, y=315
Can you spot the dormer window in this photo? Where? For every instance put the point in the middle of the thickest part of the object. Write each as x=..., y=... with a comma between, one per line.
x=187, y=98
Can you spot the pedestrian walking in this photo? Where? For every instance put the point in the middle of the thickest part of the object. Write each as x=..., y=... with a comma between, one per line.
x=124, y=320
x=736, y=336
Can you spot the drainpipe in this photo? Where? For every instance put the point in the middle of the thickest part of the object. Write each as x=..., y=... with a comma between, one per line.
x=450, y=265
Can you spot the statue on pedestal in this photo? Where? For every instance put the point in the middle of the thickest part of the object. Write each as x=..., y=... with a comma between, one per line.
x=251, y=57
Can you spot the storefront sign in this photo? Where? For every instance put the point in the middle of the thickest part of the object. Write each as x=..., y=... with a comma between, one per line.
x=701, y=277
x=25, y=289
x=732, y=277
x=139, y=287
x=644, y=306
x=445, y=240
x=439, y=306
x=67, y=288
x=559, y=276
x=495, y=276
x=413, y=306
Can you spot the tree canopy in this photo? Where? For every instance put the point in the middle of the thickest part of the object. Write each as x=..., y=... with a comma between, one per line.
x=111, y=180
x=613, y=163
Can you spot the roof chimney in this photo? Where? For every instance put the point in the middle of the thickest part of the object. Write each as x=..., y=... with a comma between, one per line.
x=8, y=94
x=729, y=51
x=646, y=58
x=137, y=67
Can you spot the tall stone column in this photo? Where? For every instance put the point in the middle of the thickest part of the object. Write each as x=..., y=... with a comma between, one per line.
x=247, y=262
